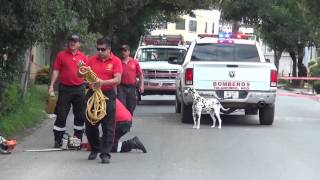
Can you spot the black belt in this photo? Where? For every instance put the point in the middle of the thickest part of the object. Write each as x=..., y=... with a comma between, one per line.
x=128, y=85
x=71, y=86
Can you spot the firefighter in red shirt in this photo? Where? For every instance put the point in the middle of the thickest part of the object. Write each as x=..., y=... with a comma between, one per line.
x=71, y=90
x=108, y=69
x=123, y=125
x=126, y=91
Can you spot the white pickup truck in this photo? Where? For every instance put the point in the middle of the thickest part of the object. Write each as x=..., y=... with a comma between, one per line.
x=231, y=69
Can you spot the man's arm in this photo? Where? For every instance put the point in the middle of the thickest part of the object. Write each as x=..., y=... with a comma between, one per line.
x=110, y=82
x=141, y=79
x=54, y=77
x=114, y=81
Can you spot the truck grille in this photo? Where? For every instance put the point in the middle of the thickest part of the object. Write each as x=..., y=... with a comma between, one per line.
x=160, y=74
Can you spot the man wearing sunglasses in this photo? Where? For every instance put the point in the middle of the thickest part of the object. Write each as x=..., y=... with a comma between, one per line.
x=126, y=91
x=108, y=69
x=71, y=90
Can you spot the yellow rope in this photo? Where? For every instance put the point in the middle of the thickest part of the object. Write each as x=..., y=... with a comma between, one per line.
x=96, y=104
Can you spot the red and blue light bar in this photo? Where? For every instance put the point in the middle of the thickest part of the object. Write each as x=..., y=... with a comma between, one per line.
x=227, y=35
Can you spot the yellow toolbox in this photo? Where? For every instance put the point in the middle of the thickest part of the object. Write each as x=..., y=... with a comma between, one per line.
x=51, y=104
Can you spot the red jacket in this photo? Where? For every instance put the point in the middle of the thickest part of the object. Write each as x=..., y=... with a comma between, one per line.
x=122, y=113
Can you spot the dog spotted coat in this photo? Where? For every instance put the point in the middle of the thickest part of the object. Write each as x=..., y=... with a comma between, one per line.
x=200, y=104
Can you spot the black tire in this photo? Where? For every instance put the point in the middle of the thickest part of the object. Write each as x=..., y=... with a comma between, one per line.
x=177, y=105
x=186, y=116
x=266, y=114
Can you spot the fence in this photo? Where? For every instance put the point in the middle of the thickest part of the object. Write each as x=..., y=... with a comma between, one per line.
x=312, y=79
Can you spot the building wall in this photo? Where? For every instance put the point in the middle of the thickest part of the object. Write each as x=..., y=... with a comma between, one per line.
x=285, y=62
x=207, y=22
x=41, y=58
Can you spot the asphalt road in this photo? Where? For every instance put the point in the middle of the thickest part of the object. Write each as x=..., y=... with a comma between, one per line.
x=241, y=150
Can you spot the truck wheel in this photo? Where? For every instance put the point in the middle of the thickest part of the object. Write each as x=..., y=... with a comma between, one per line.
x=266, y=114
x=177, y=105
x=186, y=111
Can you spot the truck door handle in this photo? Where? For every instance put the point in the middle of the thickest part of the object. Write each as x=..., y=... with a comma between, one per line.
x=232, y=65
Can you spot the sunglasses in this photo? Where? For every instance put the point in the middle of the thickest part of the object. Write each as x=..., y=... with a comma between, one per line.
x=101, y=49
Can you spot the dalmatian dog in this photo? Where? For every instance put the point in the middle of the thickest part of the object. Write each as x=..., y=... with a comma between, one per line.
x=200, y=104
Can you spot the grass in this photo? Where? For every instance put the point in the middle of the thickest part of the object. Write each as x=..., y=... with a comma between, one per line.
x=27, y=114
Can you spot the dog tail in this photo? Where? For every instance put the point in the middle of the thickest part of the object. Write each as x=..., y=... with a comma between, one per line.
x=224, y=109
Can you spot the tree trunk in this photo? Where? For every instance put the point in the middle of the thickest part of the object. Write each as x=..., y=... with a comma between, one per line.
x=57, y=45
x=277, y=56
x=26, y=72
x=300, y=59
x=294, y=62
x=292, y=53
x=235, y=27
x=301, y=68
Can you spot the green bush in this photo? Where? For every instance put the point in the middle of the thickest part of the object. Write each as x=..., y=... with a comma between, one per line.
x=28, y=114
x=316, y=86
x=314, y=71
x=312, y=63
x=42, y=76
x=10, y=99
x=314, y=67
x=284, y=82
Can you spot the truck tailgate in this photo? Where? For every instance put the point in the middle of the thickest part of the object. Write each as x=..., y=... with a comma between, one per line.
x=231, y=76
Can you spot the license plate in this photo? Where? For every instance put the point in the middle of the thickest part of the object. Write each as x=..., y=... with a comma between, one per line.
x=231, y=94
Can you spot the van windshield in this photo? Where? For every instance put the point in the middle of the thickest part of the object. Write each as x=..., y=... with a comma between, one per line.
x=225, y=52
x=160, y=54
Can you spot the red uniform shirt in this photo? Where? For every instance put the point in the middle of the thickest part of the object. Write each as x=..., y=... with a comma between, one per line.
x=122, y=113
x=105, y=70
x=67, y=65
x=131, y=70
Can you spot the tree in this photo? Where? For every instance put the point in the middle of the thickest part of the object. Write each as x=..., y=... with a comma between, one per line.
x=25, y=23
x=126, y=21
x=281, y=23
x=21, y=27
x=264, y=15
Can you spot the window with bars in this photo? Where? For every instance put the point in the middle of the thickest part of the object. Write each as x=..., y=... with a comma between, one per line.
x=181, y=24
x=193, y=26
x=212, y=28
x=206, y=28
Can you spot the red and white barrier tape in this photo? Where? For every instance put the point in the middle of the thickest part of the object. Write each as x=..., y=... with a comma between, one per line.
x=299, y=78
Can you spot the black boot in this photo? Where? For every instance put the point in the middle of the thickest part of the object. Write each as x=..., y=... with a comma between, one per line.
x=58, y=138
x=93, y=155
x=3, y=149
x=78, y=134
x=105, y=158
x=137, y=144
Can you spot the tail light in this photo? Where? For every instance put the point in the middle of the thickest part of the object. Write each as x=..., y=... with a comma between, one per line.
x=273, y=78
x=189, y=76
